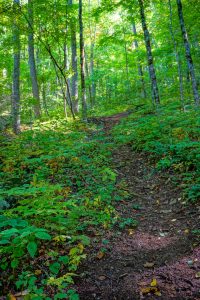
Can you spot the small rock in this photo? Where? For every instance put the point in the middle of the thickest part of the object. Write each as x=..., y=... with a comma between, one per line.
x=149, y=265
x=102, y=278
x=190, y=262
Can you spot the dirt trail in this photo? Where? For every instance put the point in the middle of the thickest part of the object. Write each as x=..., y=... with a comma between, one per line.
x=160, y=259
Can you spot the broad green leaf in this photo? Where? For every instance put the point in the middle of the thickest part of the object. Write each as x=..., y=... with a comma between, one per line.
x=32, y=248
x=14, y=263
x=43, y=235
x=55, y=268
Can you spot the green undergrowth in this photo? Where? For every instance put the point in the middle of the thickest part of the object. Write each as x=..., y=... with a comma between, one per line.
x=56, y=192
x=171, y=138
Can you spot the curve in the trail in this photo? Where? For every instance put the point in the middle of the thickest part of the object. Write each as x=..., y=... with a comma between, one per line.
x=158, y=260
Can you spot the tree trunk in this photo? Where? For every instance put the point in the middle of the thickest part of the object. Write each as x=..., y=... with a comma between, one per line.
x=177, y=55
x=16, y=71
x=66, y=67
x=152, y=72
x=188, y=52
x=44, y=99
x=88, y=75
x=92, y=47
x=74, y=79
x=140, y=70
x=31, y=51
x=82, y=63
x=93, y=88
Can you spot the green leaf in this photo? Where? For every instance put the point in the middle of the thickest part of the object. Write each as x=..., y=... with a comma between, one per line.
x=43, y=235
x=61, y=296
x=14, y=263
x=55, y=268
x=32, y=248
x=9, y=232
x=64, y=259
x=73, y=295
x=4, y=242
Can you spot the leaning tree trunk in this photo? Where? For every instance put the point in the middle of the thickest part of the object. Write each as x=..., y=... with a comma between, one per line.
x=74, y=79
x=82, y=63
x=31, y=51
x=152, y=72
x=188, y=52
x=16, y=71
x=177, y=56
x=140, y=70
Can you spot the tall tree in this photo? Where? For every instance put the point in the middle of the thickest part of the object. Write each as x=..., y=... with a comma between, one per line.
x=188, y=52
x=177, y=55
x=32, y=65
x=152, y=72
x=140, y=70
x=16, y=70
x=92, y=47
x=74, y=80
x=82, y=63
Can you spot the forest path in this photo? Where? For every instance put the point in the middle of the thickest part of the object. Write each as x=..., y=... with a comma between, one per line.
x=160, y=259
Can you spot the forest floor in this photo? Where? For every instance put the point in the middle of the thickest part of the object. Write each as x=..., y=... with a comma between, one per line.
x=160, y=258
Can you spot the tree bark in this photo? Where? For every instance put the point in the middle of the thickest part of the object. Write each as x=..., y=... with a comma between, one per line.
x=32, y=65
x=188, y=52
x=87, y=73
x=93, y=87
x=16, y=71
x=140, y=70
x=177, y=56
x=152, y=72
x=82, y=63
x=74, y=79
x=92, y=47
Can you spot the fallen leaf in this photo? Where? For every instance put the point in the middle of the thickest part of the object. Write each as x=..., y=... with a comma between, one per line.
x=38, y=272
x=197, y=275
x=149, y=290
x=131, y=231
x=149, y=265
x=158, y=293
x=154, y=283
x=146, y=290
x=100, y=255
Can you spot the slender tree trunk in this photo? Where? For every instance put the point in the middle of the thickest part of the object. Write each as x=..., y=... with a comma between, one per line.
x=92, y=47
x=74, y=79
x=188, y=52
x=140, y=70
x=44, y=99
x=93, y=87
x=82, y=63
x=32, y=65
x=67, y=67
x=177, y=55
x=16, y=71
x=88, y=75
x=152, y=72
